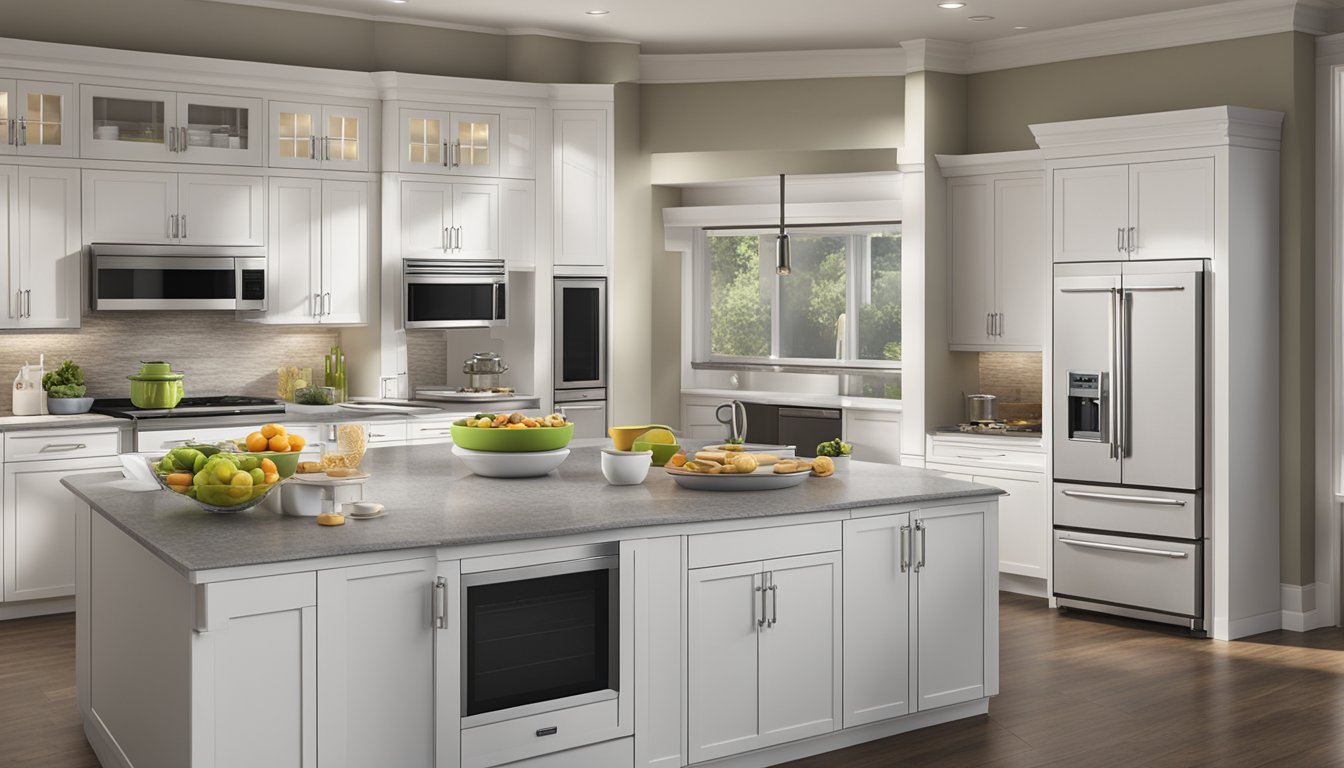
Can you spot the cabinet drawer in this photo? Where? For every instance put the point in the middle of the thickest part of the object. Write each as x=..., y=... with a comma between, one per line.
x=430, y=431
x=709, y=549
x=618, y=753
x=1149, y=574
x=383, y=432
x=61, y=444
x=524, y=737
x=1152, y=513
x=967, y=454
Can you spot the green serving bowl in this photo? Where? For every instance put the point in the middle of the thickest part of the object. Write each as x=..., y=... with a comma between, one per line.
x=285, y=463
x=661, y=451
x=531, y=440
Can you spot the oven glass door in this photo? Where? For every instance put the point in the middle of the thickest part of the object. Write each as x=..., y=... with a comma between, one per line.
x=539, y=638
x=438, y=303
x=158, y=283
x=580, y=333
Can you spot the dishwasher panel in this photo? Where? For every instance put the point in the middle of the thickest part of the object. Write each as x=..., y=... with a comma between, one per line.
x=806, y=427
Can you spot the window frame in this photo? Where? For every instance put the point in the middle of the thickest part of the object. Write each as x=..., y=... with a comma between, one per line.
x=857, y=282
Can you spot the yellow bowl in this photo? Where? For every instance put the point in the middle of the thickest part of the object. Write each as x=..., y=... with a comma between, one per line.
x=624, y=437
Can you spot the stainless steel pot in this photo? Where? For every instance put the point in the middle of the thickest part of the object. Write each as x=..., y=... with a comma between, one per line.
x=484, y=362
x=980, y=408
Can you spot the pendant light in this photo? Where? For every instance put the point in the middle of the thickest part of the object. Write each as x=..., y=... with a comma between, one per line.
x=782, y=263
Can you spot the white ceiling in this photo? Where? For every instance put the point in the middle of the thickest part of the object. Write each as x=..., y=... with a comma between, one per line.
x=721, y=26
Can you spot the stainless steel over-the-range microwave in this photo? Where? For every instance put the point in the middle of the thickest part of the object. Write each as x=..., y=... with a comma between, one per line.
x=454, y=293
x=177, y=277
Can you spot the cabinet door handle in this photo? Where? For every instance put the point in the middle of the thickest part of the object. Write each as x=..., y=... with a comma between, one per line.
x=983, y=456
x=28, y=302
x=549, y=730
x=445, y=239
x=312, y=147
x=457, y=154
x=182, y=140
x=758, y=605
x=1120, y=240
x=172, y=226
x=326, y=148
x=905, y=556
x=1133, y=239
x=11, y=137
x=171, y=136
x=774, y=601
x=923, y=534
x=999, y=330
x=445, y=153
x=989, y=324
x=62, y=447
x=21, y=138
x=440, y=603
x=183, y=217
x=326, y=303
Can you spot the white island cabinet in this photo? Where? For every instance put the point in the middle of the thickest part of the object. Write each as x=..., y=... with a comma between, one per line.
x=726, y=640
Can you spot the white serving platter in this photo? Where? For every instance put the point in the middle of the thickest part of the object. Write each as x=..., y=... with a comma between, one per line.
x=763, y=479
x=510, y=464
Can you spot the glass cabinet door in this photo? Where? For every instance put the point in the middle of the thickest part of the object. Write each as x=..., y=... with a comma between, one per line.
x=219, y=129
x=345, y=138
x=294, y=135
x=127, y=124
x=472, y=147
x=42, y=118
x=8, y=113
x=459, y=143
x=425, y=142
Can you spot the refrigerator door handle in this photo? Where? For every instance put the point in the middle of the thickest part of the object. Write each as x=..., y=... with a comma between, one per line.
x=1117, y=378
x=1122, y=375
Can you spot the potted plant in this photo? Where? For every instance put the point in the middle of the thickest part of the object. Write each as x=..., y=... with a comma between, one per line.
x=838, y=450
x=65, y=390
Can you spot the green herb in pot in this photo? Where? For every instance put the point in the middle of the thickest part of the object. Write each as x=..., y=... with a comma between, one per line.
x=834, y=448
x=65, y=381
x=315, y=396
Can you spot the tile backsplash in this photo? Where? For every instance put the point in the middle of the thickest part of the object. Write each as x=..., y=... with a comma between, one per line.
x=218, y=353
x=1015, y=379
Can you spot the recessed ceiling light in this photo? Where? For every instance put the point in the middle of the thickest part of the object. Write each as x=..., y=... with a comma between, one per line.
x=598, y=13
x=1021, y=27
x=951, y=6
x=398, y=2
x=981, y=18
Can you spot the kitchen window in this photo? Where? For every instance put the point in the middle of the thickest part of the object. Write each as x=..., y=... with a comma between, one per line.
x=838, y=311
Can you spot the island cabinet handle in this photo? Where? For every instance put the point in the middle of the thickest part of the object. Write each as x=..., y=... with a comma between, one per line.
x=441, y=603
x=62, y=447
x=549, y=730
x=983, y=456
x=905, y=553
x=755, y=605
x=774, y=601
x=923, y=534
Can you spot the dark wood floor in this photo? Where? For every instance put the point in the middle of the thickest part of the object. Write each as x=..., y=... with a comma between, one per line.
x=1077, y=691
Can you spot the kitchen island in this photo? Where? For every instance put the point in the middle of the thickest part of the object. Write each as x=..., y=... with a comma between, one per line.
x=746, y=628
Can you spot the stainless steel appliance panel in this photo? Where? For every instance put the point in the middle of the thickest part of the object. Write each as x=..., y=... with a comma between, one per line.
x=805, y=428
x=1149, y=574
x=587, y=408
x=454, y=293
x=158, y=277
x=1086, y=308
x=1130, y=510
x=580, y=330
x=1162, y=356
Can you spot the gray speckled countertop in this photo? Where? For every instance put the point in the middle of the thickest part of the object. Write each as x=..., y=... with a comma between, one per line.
x=15, y=423
x=433, y=501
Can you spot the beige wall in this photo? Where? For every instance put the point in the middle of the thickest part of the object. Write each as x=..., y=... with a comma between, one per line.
x=1269, y=72
x=632, y=269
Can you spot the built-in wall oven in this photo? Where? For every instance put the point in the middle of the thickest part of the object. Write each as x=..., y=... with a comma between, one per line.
x=580, y=328
x=545, y=640
x=454, y=293
x=177, y=277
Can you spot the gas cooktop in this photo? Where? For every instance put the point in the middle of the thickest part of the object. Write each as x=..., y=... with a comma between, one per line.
x=224, y=405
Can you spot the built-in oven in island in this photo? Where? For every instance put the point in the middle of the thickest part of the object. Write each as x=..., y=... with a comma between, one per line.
x=546, y=652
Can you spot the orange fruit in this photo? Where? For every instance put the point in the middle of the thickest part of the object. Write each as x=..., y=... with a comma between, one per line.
x=256, y=442
x=268, y=467
x=280, y=443
x=179, y=478
x=272, y=478
x=296, y=442
x=271, y=430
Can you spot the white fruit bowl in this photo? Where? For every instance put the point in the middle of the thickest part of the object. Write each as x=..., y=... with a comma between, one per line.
x=510, y=464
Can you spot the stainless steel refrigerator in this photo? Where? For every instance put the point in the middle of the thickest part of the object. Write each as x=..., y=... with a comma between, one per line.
x=1128, y=435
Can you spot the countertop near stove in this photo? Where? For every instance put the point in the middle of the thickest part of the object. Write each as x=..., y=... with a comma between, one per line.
x=994, y=435
x=13, y=423
x=433, y=501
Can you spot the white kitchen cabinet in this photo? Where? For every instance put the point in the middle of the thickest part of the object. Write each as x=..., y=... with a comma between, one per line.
x=173, y=208
x=429, y=431
x=446, y=220
x=763, y=653
x=518, y=223
x=39, y=518
x=318, y=261
x=255, y=665
x=447, y=664
x=40, y=248
x=462, y=143
x=1016, y=465
x=375, y=665
x=877, y=572
x=36, y=118
x=1154, y=210
x=875, y=435
x=167, y=126
x=580, y=158
x=999, y=265
x=325, y=136
x=950, y=617
x=518, y=150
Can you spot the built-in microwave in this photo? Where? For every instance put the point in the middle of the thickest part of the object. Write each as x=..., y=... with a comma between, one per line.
x=454, y=293
x=177, y=277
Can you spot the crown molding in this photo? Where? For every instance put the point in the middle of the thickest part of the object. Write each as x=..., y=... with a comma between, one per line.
x=655, y=68
x=1026, y=160
x=1181, y=129
x=542, y=32
x=1330, y=49
x=936, y=56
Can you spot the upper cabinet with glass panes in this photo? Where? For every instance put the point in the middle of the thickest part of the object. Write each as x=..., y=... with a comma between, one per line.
x=35, y=118
x=496, y=144
x=136, y=124
x=319, y=136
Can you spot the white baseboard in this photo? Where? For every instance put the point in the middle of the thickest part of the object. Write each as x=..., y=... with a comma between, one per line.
x=1301, y=607
x=27, y=608
x=1224, y=629
x=1022, y=585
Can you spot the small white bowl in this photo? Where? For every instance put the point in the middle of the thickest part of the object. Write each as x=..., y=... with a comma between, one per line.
x=625, y=467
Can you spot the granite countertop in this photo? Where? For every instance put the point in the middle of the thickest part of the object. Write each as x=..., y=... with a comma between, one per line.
x=12, y=423
x=994, y=434
x=432, y=500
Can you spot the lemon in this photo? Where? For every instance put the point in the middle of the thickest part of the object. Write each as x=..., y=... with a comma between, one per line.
x=658, y=435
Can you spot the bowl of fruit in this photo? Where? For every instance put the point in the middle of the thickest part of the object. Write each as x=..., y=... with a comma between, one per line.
x=274, y=442
x=512, y=433
x=218, y=481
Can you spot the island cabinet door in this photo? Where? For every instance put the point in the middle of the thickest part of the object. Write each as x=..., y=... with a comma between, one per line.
x=877, y=618
x=725, y=615
x=375, y=665
x=447, y=665
x=254, y=659
x=955, y=567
